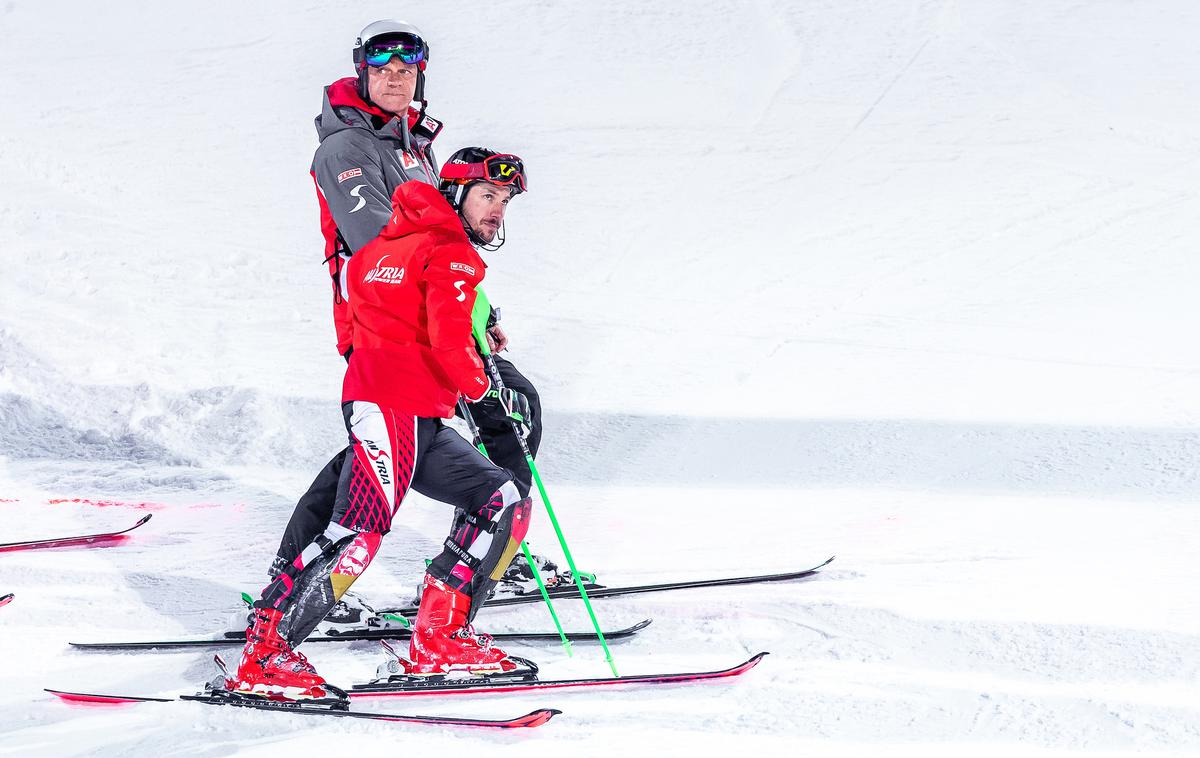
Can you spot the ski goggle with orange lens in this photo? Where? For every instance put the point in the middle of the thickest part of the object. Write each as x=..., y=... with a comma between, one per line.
x=504, y=169
x=409, y=48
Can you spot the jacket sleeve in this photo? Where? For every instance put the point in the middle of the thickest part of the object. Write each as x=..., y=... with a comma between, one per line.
x=450, y=282
x=342, y=321
x=352, y=182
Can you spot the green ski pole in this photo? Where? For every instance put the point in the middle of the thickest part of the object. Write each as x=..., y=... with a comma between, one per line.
x=479, y=319
x=566, y=643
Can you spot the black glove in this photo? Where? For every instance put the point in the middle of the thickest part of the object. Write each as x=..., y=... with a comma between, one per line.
x=507, y=404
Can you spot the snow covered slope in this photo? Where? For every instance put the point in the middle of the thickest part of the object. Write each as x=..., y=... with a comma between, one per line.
x=907, y=281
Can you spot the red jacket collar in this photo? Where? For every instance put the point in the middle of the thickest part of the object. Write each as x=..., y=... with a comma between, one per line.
x=345, y=92
x=418, y=206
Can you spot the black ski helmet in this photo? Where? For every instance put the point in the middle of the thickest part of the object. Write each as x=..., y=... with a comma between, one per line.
x=472, y=165
x=383, y=31
x=477, y=164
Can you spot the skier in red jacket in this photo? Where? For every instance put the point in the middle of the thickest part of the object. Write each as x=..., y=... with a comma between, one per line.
x=411, y=293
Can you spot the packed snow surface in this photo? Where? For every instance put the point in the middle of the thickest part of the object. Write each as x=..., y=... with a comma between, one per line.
x=912, y=283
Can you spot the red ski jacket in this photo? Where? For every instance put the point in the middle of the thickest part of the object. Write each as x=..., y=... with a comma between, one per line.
x=411, y=292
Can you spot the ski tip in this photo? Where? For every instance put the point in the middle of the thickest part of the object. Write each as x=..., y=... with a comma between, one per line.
x=753, y=661
x=821, y=565
x=143, y=520
x=6, y=599
x=537, y=718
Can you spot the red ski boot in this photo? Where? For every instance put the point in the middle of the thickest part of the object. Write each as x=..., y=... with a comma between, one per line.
x=443, y=642
x=270, y=668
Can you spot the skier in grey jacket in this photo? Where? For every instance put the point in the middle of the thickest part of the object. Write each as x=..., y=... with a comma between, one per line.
x=372, y=141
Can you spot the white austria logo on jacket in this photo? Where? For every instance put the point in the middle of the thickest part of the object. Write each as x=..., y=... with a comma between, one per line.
x=384, y=274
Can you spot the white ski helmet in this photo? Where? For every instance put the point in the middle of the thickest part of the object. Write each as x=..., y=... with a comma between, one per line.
x=387, y=38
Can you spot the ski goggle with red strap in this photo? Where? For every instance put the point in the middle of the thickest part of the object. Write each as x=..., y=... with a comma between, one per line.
x=503, y=169
x=409, y=48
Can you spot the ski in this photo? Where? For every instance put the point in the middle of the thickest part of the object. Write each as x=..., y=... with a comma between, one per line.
x=599, y=590
x=86, y=539
x=414, y=686
x=529, y=720
x=6, y=599
x=238, y=638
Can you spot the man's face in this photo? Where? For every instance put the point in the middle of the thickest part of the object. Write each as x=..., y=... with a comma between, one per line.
x=392, y=86
x=483, y=208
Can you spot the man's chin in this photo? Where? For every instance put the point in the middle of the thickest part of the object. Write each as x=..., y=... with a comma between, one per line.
x=393, y=104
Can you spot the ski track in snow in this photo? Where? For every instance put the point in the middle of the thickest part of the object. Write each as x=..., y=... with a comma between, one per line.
x=910, y=283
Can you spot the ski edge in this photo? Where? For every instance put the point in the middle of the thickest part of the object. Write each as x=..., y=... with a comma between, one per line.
x=599, y=591
x=532, y=719
x=368, y=690
x=83, y=539
x=616, y=634
x=88, y=697
x=528, y=721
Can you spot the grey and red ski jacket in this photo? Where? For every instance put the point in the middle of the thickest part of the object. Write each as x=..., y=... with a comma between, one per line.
x=364, y=155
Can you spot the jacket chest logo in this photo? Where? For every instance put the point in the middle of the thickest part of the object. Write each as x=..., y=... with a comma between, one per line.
x=408, y=160
x=384, y=274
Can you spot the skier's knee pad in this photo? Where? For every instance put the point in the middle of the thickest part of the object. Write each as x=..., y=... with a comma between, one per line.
x=312, y=560
x=332, y=563
x=352, y=560
x=508, y=533
x=511, y=527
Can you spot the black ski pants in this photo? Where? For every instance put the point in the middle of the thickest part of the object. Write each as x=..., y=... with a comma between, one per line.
x=315, y=508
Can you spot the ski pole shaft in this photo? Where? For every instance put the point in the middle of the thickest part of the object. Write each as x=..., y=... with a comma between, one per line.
x=566, y=643
x=480, y=314
x=494, y=373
